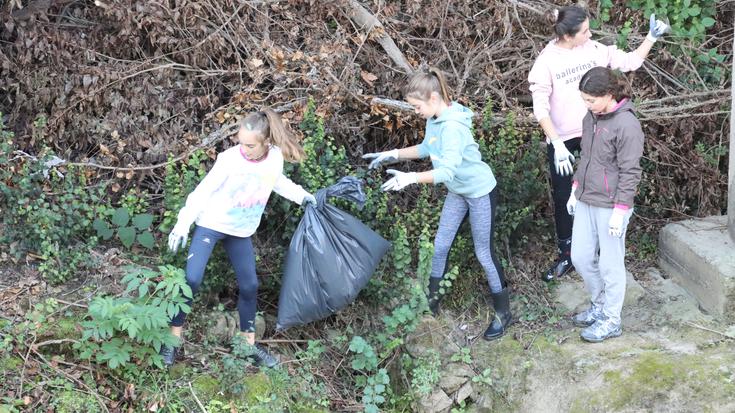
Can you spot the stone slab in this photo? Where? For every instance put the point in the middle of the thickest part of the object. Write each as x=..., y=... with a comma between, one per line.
x=699, y=255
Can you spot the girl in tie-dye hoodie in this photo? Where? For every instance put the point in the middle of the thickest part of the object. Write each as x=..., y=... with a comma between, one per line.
x=227, y=206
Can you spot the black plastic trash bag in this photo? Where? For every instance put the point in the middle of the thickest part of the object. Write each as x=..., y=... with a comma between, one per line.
x=331, y=257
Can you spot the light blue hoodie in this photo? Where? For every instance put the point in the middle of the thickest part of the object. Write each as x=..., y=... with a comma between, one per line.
x=455, y=155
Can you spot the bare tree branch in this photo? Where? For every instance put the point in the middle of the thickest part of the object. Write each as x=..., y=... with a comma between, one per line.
x=367, y=21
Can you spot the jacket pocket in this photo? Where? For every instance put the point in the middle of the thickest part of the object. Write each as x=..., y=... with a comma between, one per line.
x=610, y=182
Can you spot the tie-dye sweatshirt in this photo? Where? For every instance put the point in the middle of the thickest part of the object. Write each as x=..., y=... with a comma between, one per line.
x=232, y=197
x=554, y=81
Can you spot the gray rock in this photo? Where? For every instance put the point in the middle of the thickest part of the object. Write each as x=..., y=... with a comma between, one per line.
x=437, y=402
x=483, y=402
x=454, y=375
x=633, y=291
x=227, y=323
x=571, y=295
x=655, y=275
x=464, y=392
x=430, y=335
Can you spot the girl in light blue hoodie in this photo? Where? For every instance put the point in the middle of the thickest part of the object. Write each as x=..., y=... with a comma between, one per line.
x=457, y=163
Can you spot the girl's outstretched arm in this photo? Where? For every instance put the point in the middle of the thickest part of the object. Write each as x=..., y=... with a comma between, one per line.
x=286, y=188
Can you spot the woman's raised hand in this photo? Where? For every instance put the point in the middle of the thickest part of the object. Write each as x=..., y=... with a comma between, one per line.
x=657, y=28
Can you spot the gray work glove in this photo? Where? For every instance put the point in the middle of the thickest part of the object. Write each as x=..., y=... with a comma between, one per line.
x=657, y=28
x=178, y=237
x=381, y=157
x=563, y=159
x=308, y=199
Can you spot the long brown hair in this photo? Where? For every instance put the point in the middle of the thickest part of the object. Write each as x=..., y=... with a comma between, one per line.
x=601, y=81
x=271, y=130
x=423, y=84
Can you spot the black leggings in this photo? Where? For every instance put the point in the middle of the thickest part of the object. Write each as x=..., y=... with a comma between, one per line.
x=242, y=257
x=561, y=189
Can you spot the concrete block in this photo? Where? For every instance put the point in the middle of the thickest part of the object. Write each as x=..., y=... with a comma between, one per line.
x=700, y=256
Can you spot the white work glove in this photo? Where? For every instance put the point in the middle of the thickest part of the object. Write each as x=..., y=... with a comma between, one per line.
x=308, y=199
x=657, y=28
x=616, y=222
x=572, y=203
x=381, y=157
x=399, y=181
x=178, y=237
x=563, y=159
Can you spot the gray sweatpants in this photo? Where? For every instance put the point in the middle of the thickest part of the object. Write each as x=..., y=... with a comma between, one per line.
x=599, y=257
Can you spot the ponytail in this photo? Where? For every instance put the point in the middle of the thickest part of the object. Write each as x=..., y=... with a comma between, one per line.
x=423, y=84
x=601, y=81
x=271, y=130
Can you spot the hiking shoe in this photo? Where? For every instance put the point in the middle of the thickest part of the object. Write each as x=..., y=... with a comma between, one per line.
x=261, y=357
x=588, y=317
x=601, y=330
x=169, y=355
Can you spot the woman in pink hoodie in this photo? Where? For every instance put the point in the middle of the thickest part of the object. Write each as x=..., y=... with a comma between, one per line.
x=559, y=109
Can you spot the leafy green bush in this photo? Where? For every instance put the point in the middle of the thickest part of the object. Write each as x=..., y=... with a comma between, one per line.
x=128, y=230
x=133, y=327
x=518, y=164
x=689, y=20
x=180, y=179
x=46, y=213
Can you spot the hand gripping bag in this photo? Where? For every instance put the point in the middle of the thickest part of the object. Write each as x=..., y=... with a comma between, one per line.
x=331, y=257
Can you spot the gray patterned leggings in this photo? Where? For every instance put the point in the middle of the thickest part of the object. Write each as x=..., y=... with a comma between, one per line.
x=482, y=222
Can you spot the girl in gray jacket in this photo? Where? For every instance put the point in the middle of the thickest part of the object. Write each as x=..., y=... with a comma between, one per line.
x=602, y=198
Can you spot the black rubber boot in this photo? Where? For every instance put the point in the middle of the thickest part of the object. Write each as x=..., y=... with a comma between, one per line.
x=503, y=318
x=169, y=355
x=434, y=297
x=563, y=264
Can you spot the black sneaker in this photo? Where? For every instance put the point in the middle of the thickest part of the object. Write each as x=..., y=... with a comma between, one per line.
x=561, y=266
x=261, y=357
x=169, y=355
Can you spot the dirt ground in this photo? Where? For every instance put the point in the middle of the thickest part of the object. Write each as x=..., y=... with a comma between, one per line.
x=671, y=357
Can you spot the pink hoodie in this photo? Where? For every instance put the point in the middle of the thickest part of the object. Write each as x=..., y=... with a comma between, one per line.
x=554, y=81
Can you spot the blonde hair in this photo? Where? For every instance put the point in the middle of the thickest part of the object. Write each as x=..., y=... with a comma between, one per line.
x=423, y=84
x=271, y=130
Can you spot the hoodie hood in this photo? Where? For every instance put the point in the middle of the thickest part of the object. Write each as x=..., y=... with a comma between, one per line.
x=455, y=156
x=624, y=105
x=457, y=113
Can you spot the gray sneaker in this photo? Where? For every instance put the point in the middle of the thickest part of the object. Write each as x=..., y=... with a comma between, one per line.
x=601, y=330
x=588, y=317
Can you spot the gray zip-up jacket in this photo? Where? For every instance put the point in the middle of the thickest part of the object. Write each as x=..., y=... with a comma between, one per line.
x=609, y=169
